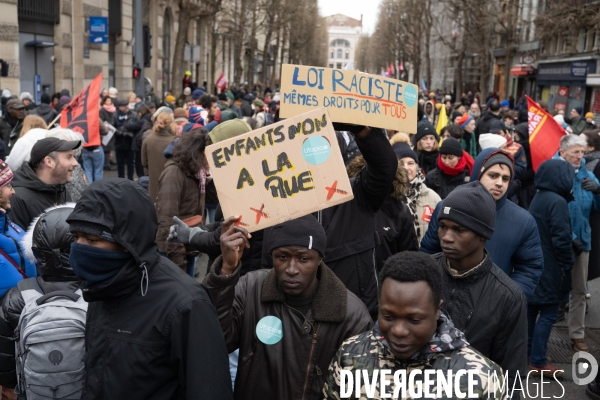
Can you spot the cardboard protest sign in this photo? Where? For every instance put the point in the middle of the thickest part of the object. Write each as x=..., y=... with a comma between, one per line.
x=350, y=96
x=280, y=172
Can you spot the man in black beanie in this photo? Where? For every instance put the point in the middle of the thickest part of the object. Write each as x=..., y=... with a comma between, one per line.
x=483, y=301
x=288, y=321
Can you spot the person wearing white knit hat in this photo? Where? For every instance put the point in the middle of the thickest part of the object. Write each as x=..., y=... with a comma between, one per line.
x=487, y=140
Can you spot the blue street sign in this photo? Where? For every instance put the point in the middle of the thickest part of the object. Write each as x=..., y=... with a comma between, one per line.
x=37, y=88
x=99, y=26
x=98, y=39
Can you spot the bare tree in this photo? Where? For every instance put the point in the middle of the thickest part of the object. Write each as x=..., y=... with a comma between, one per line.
x=188, y=10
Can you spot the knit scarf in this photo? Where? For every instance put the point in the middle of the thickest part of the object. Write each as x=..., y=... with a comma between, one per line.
x=414, y=191
x=428, y=160
x=203, y=177
x=110, y=108
x=465, y=161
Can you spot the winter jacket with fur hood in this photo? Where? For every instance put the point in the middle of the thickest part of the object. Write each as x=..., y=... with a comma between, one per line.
x=295, y=366
x=394, y=220
x=50, y=235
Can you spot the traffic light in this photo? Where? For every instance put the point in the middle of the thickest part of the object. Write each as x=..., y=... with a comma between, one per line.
x=147, y=47
x=136, y=71
x=3, y=68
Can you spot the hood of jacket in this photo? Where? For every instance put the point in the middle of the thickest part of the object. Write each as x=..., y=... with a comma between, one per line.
x=447, y=337
x=125, y=208
x=556, y=176
x=44, y=111
x=47, y=243
x=399, y=185
x=25, y=177
x=479, y=161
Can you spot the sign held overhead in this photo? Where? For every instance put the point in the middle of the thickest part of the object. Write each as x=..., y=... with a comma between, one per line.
x=350, y=97
x=280, y=172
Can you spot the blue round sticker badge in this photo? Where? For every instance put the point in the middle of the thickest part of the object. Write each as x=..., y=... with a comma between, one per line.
x=410, y=96
x=316, y=150
x=269, y=330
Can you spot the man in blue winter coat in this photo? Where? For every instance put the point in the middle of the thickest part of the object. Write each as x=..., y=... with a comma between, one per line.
x=515, y=246
x=586, y=191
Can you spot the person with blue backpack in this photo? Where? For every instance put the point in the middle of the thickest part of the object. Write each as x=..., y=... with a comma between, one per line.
x=46, y=244
x=13, y=266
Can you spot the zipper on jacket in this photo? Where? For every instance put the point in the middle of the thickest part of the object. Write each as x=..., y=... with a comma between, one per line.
x=310, y=356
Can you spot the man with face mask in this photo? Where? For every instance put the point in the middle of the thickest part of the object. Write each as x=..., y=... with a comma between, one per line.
x=286, y=321
x=152, y=332
x=411, y=289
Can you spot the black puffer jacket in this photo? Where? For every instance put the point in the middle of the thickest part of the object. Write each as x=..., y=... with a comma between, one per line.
x=50, y=237
x=491, y=310
x=33, y=196
x=351, y=227
x=46, y=112
x=395, y=222
x=138, y=128
x=443, y=184
x=165, y=343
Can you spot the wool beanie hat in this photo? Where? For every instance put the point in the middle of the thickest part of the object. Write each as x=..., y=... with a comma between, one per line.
x=589, y=115
x=451, y=146
x=454, y=115
x=92, y=229
x=499, y=157
x=403, y=150
x=487, y=140
x=424, y=129
x=464, y=120
x=187, y=91
x=505, y=103
x=579, y=110
x=197, y=93
x=472, y=207
x=6, y=174
x=304, y=231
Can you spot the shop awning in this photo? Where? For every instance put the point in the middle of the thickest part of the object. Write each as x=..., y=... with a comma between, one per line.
x=521, y=70
x=40, y=43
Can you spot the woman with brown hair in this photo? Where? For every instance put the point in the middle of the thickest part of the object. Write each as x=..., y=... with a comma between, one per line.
x=30, y=122
x=182, y=192
x=153, y=148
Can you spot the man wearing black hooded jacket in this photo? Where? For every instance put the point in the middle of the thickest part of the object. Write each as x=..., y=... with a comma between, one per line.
x=152, y=332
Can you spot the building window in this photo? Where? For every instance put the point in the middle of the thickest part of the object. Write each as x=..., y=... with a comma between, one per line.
x=339, y=65
x=330, y=65
x=340, y=53
x=347, y=54
x=332, y=53
x=39, y=10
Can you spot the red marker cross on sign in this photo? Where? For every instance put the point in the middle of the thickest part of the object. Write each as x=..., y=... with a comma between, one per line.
x=333, y=190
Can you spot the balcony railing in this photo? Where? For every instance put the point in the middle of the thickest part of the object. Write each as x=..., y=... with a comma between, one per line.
x=40, y=10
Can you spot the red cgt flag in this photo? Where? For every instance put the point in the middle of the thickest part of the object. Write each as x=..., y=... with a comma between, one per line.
x=82, y=114
x=544, y=134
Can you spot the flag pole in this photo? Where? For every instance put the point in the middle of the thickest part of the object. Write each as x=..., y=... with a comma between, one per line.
x=54, y=121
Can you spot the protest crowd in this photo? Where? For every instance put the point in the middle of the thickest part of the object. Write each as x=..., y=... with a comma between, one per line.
x=458, y=251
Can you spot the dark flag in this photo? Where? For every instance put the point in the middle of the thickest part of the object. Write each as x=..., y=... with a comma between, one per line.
x=82, y=115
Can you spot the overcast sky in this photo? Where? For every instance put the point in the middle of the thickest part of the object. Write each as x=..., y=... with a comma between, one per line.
x=353, y=8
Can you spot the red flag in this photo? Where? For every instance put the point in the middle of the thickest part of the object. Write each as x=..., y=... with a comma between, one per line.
x=544, y=134
x=82, y=115
x=390, y=71
x=221, y=82
x=401, y=66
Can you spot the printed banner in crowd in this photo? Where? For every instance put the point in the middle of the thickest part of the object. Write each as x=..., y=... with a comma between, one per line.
x=544, y=134
x=350, y=96
x=280, y=172
x=82, y=115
